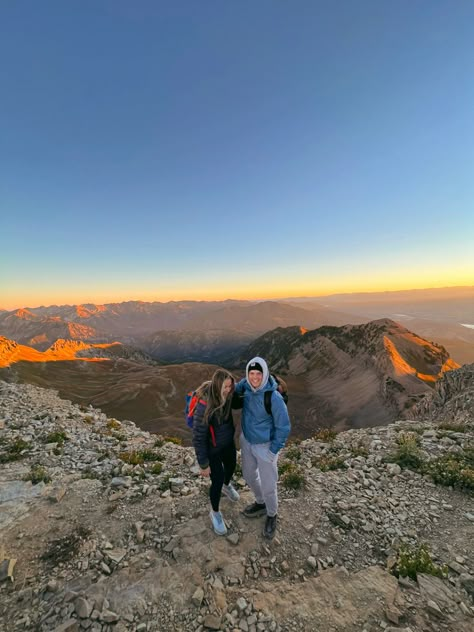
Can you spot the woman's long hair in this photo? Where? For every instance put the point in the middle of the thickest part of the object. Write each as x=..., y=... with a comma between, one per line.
x=213, y=392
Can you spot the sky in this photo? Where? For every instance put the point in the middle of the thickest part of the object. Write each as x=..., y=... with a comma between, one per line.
x=207, y=150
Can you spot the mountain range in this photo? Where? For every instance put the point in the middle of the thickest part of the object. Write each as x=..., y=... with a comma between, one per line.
x=208, y=331
x=340, y=377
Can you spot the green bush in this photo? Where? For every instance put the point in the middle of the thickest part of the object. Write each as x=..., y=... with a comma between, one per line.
x=158, y=443
x=409, y=437
x=285, y=466
x=37, y=474
x=293, y=453
x=120, y=436
x=13, y=451
x=325, y=435
x=407, y=454
x=58, y=436
x=113, y=424
x=176, y=440
x=453, y=470
x=149, y=455
x=138, y=457
x=165, y=483
x=293, y=477
x=329, y=462
x=156, y=468
x=359, y=450
x=417, y=559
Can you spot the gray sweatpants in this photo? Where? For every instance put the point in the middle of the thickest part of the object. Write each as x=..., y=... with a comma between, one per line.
x=260, y=470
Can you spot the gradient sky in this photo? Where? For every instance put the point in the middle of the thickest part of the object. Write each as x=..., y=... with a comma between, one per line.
x=167, y=150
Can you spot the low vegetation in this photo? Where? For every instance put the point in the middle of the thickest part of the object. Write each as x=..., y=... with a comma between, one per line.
x=58, y=436
x=293, y=453
x=164, y=484
x=407, y=453
x=359, y=451
x=175, y=440
x=37, y=474
x=113, y=424
x=327, y=462
x=14, y=451
x=156, y=468
x=325, y=435
x=138, y=457
x=453, y=470
x=416, y=559
x=65, y=548
x=291, y=476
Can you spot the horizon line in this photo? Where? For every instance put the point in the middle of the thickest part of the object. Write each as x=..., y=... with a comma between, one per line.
x=249, y=300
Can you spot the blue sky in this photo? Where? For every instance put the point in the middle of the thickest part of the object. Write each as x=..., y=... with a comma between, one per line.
x=167, y=150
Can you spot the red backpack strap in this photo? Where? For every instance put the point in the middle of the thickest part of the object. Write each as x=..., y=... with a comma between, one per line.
x=213, y=435
x=194, y=402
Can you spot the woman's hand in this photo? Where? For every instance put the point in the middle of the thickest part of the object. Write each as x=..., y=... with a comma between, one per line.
x=206, y=472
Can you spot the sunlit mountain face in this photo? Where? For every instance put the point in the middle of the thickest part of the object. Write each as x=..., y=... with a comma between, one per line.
x=352, y=376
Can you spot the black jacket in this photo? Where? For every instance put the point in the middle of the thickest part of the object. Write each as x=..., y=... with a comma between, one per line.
x=209, y=439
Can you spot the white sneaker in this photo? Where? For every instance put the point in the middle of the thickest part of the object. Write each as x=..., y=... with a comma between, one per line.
x=231, y=493
x=218, y=523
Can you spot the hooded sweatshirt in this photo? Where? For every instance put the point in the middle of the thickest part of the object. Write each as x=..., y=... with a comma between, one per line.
x=257, y=425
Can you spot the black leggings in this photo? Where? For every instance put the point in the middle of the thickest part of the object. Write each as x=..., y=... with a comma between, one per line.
x=222, y=466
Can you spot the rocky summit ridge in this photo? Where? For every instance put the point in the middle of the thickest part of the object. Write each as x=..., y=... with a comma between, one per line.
x=104, y=527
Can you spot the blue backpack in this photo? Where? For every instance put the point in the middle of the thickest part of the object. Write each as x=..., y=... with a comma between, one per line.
x=192, y=400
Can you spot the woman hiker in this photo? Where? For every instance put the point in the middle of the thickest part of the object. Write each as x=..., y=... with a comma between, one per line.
x=213, y=441
x=263, y=436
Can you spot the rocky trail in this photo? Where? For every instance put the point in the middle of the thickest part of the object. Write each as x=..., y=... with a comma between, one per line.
x=111, y=532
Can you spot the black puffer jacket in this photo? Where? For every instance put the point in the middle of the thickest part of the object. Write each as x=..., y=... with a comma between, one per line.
x=209, y=438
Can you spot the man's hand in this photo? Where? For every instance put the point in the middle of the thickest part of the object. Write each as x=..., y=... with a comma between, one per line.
x=206, y=472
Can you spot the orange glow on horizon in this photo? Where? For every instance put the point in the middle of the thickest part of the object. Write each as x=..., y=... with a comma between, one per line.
x=197, y=293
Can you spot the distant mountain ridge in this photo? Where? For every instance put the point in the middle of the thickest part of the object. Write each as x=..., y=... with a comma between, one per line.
x=217, y=327
x=438, y=314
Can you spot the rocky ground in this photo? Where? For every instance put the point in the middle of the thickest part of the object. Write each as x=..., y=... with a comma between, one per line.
x=96, y=541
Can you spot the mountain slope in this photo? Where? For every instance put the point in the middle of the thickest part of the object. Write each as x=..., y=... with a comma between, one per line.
x=351, y=376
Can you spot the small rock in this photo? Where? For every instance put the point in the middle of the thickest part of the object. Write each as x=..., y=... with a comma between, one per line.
x=211, y=622
x=197, y=597
x=83, y=608
x=434, y=609
x=6, y=569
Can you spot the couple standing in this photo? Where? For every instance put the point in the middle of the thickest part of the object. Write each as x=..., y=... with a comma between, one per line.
x=264, y=433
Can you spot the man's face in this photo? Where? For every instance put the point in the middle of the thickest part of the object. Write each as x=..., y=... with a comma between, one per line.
x=255, y=378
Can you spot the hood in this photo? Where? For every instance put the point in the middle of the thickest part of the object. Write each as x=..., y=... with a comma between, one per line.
x=266, y=373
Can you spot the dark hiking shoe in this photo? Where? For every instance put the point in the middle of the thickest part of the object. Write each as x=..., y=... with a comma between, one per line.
x=255, y=510
x=270, y=527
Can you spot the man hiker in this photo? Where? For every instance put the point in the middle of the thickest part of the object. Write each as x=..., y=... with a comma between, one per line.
x=264, y=434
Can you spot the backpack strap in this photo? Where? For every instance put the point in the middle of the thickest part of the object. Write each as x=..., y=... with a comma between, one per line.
x=213, y=435
x=267, y=400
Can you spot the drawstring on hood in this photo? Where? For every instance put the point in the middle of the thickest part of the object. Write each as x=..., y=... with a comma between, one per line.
x=265, y=371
